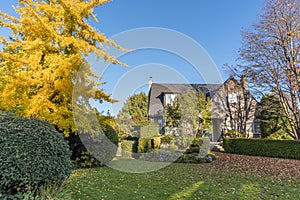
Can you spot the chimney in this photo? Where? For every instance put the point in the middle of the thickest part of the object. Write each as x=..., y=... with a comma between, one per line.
x=244, y=82
x=150, y=83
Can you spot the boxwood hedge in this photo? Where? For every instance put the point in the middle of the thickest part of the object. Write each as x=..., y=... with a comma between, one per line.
x=263, y=147
x=32, y=153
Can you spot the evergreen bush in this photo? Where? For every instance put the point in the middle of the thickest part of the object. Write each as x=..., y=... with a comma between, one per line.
x=32, y=153
x=263, y=147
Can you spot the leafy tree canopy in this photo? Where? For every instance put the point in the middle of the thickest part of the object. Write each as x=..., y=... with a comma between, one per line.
x=49, y=41
x=134, y=113
x=191, y=112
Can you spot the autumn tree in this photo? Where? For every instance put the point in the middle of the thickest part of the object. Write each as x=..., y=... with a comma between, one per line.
x=49, y=41
x=270, y=57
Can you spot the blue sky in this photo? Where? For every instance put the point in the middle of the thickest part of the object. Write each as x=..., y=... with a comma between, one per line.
x=216, y=25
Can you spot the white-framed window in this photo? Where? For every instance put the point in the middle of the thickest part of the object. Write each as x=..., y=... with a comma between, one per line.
x=232, y=98
x=169, y=99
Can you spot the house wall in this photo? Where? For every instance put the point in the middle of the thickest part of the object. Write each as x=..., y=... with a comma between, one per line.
x=236, y=114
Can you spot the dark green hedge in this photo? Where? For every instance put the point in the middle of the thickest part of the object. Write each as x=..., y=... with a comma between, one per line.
x=32, y=153
x=144, y=145
x=129, y=147
x=148, y=144
x=263, y=147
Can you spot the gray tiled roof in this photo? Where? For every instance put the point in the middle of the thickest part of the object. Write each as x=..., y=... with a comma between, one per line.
x=157, y=90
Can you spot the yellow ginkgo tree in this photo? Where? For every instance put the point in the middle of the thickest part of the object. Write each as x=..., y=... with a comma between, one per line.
x=39, y=62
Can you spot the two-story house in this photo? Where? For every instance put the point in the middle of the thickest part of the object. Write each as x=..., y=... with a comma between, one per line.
x=233, y=106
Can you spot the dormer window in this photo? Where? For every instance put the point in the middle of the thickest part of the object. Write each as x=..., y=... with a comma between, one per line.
x=169, y=99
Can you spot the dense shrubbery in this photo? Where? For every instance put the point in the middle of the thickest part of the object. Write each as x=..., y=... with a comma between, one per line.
x=195, y=158
x=129, y=147
x=148, y=144
x=176, y=156
x=144, y=145
x=263, y=147
x=103, y=149
x=32, y=153
x=149, y=131
x=234, y=134
x=161, y=156
x=167, y=139
x=198, y=152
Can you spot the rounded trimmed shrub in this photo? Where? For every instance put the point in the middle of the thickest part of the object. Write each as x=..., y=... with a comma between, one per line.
x=32, y=153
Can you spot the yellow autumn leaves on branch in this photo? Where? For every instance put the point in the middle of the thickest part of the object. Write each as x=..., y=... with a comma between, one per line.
x=49, y=42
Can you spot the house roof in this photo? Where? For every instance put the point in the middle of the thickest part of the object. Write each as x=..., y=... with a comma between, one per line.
x=157, y=90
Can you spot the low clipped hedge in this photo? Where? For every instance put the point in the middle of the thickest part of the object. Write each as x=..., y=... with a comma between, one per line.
x=32, y=154
x=144, y=145
x=263, y=147
x=148, y=144
x=129, y=147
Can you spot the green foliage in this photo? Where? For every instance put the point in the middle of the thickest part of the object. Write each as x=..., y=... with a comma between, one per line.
x=111, y=134
x=173, y=146
x=234, y=134
x=144, y=145
x=102, y=146
x=150, y=130
x=273, y=119
x=160, y=156
x=129, y=147
x=4, y=113
x=155, y=142
x=190, y=113
x=172, y=114
x=280, y=135
x=53, y=192
x=263, y=147
x=195, y=158
x=199, y=145
x=32, y=153
x=148, y=144
x=134, y=113
x=138, y=109
x=204, y=147
x=167, y=139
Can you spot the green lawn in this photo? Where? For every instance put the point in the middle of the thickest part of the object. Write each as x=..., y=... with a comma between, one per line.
x=217, y=180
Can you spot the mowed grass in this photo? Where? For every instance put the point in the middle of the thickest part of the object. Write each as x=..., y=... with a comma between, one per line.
x=217, y=180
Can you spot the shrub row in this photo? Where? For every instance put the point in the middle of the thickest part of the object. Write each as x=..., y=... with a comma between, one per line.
x=148, y=144
x=129, y=147
x=195, y=158
x=176, y=156
x=263, y=147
